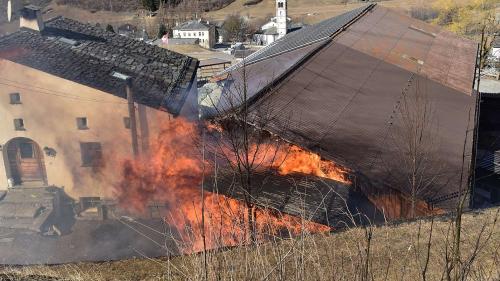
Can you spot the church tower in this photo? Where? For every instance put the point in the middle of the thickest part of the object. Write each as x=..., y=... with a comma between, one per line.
x=281, y=17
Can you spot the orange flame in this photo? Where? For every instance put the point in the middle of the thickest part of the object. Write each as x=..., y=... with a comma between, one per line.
x=297, y=160
x=174, y=172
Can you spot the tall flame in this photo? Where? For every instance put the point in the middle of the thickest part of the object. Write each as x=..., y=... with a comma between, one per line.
x=173, y=174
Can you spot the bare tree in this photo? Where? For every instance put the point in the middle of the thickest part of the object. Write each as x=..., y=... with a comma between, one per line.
x=235, y=27
x=417, y=171
x=246, y=148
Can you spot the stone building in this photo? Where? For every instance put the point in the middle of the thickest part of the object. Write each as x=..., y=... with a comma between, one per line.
x=204, y=31
x=75, y=99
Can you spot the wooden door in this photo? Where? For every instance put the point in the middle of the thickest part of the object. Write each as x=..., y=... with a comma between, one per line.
x=25, y=162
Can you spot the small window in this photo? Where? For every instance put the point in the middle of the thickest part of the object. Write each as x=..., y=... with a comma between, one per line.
x=280, y=4
x=19, y=124
x=26, y=150
x=15, y=98
x=126, y=122
x=184, y=34
x=81, y=123
x=201, y=33
x=91, y=154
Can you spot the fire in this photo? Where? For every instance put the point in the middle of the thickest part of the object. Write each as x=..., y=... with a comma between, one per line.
x=173, y=174
x=297, y=160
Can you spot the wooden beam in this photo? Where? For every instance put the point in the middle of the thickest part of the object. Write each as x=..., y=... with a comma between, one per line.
x=131, y=113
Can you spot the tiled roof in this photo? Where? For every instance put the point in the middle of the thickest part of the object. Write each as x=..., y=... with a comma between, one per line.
x=89, y=55
x=192, y=25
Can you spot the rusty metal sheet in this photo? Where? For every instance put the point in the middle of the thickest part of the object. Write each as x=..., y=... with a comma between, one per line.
x=342, y=101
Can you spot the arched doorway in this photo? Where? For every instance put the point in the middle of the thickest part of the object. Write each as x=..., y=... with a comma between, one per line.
x=24, y=162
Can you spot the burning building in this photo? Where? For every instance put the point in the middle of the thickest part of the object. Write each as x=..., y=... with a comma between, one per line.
x=97, y=115
x=387, y=96
x=106, y=116
x=76, y=99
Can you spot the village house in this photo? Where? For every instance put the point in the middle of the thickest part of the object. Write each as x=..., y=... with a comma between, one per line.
x=203, y=31
x=75, y=100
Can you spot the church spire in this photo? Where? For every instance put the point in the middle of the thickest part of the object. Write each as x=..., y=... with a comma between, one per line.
x=281, y=17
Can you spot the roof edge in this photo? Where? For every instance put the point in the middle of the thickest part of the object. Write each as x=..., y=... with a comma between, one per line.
x=326, y=38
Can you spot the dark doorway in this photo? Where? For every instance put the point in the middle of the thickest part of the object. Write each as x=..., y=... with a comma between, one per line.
x=486, y=189
x=25, y=162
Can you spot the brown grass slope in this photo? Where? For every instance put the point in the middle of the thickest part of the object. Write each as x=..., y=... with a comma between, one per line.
x=309, y=11
x=398, y=252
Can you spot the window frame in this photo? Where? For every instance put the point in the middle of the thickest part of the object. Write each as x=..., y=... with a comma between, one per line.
x=14, y=100
x=19, y=124
x=82, y=123
x=22, y=152
x=91, y=154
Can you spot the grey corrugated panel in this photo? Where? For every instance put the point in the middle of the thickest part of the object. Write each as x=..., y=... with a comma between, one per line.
x=304, y=37
x=490, y=161
x=316, y=199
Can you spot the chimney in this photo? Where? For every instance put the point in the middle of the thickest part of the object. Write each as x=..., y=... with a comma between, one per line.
x=9, y=11
x=31, y=18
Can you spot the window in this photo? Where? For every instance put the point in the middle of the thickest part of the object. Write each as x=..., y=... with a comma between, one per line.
x=189, y=34
x=126, y=122
x=15, y=98
x=81, y=123
x=184, y=34
x=19, y=124
x=201, y=33
x=91, y=154
x=280, y=4
x=26, y=150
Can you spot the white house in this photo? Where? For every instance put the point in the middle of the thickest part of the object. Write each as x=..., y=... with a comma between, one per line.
x=495, y=47
x=203, y=31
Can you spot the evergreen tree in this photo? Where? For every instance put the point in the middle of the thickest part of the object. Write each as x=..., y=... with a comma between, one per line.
x=162, y=30
x=150, y=5
x=110, y=28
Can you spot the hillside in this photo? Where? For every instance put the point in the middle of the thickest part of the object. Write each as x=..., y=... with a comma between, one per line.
x=396, y=252
x=310, y=11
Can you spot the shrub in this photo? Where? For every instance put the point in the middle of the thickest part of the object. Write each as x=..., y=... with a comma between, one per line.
x=423, y=13
x=251, y=2
x=110, y=28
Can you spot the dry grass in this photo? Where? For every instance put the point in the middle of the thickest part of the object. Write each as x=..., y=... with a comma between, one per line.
x=396, y=253
x=310, y=11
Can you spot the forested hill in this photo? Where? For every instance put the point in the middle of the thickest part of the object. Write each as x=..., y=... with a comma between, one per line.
x=132, y=5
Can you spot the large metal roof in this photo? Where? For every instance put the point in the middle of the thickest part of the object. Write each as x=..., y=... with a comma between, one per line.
x=340, y=97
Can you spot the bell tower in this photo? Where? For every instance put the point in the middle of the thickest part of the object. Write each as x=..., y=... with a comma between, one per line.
x=281, y=17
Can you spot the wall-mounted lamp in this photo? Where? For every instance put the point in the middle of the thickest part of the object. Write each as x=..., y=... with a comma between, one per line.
x=50, y=151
